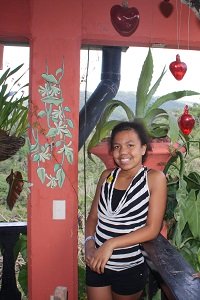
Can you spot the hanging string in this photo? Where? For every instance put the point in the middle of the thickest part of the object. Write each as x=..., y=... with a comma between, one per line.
x=125, y=3
x=178, y=23
x=188, y=26
x=84, y=146
x=151, y=25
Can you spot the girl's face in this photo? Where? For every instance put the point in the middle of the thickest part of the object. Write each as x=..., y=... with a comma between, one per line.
x=127, y=150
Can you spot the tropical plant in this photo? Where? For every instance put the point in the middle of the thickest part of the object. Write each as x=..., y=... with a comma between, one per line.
x=21, y=247
x=158, y=122
x=186, y=234
x=13, y=103
x=183, y=206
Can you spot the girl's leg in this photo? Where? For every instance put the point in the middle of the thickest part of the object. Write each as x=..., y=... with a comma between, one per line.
x=127, y=297
x=99, y=293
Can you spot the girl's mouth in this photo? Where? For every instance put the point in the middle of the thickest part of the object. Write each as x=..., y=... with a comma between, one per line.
x=124, y=160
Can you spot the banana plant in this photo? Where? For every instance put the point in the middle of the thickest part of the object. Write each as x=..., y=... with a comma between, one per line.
x=158, y=122
x=13, y=103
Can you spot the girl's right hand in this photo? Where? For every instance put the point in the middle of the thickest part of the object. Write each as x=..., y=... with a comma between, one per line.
x=89, y=252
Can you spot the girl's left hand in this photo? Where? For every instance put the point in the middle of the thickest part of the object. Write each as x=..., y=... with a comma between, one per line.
x=101, y=256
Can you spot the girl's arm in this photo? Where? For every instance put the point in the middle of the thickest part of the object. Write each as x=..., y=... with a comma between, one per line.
x=157, y=205
x=92, y=218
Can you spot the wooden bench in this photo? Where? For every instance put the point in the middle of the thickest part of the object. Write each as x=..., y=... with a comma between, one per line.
x=172, y=273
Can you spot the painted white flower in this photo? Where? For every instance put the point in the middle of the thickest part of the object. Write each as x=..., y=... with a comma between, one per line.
x=61, y=129
x=44, y=155
x=66, y=149
x=58, y=113
x=52, y=182
x=44, y=90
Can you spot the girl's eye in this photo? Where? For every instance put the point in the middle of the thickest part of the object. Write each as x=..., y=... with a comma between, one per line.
x=115, y=147
x=131, y=145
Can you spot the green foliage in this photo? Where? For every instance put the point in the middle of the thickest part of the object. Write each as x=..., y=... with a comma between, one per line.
x=156, y=119
x=88, y=176
x=81, y=283
x=183, y=205
x=21, y=247
x=186, y=236
x=13, y=105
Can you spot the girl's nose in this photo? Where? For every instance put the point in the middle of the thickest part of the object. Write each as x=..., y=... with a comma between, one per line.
x=123, y=150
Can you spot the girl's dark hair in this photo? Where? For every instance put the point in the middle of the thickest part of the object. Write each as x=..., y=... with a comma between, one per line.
x=139, y=128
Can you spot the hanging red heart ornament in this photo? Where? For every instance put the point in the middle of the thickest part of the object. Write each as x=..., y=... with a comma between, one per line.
x=166, y=8
x=178, y=68
x=124, y=19
x=186, y=121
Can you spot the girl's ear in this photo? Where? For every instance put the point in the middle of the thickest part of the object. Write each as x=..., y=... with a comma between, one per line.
x=144, y=149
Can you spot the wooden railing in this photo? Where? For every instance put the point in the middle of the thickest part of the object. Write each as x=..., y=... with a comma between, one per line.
x=172, y=273
x=168, y=270
x=9, y=234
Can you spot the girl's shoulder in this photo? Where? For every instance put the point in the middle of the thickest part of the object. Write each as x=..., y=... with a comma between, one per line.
x=155, y=177
x=105, y=174
x=152, y=173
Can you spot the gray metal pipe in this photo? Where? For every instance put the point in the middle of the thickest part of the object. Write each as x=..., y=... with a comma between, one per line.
x=106, y=90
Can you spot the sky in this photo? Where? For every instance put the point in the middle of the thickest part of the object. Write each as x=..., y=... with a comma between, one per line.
x=14, y=56
x=131, y=65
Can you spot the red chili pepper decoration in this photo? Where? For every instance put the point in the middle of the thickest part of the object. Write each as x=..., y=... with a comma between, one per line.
x=186, y=121
x=178, y=68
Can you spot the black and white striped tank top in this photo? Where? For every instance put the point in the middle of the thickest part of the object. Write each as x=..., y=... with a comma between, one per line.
x=129, y=215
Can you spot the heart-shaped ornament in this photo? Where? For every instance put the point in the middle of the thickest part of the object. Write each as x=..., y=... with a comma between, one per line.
x=124, y=19
x=178, y=68
x=166, y=8
x=186, y=122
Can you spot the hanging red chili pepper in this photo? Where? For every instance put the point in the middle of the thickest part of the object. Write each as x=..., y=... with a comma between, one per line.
x=186, y=121
x=178, y=68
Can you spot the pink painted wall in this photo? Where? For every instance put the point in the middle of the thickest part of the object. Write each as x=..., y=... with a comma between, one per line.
x=55, y=31
x=55, y=36
x=14, y=21
x=153, y=26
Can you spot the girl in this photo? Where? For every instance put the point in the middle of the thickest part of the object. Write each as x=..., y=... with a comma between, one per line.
x=127, y=210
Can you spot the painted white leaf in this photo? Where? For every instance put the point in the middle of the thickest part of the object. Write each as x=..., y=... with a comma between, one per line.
x=36, y=157
x=56, y=167
x=60, y=176
x=42, y=113
x=52, y=132
x=41, y=174
x=70, y=123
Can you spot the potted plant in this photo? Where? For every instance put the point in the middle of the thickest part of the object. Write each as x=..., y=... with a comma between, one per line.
x=13, y=113
x=13, y=126
x=161, y=125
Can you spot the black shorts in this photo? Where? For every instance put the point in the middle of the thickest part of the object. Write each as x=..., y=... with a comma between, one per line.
x=125, y=282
